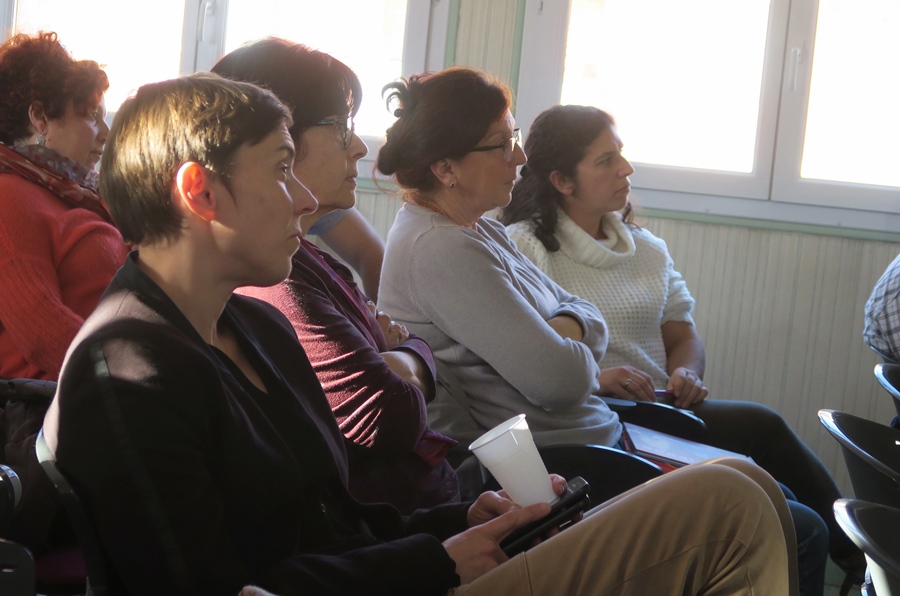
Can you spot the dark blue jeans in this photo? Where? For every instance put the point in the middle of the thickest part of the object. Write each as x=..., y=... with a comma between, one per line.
x=812, y=546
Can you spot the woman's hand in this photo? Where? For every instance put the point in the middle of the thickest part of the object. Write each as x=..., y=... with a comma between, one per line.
x=687, y=387
x=394, y=333
x=491, y=518
x=626, y=382
x=477, y=550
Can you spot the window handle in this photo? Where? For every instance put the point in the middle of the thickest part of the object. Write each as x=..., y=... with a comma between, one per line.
x=795, y=61
x=207, y=10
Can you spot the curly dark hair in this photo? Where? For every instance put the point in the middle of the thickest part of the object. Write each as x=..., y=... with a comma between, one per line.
x=557, y=141
x=440, y=115
x=37, y=68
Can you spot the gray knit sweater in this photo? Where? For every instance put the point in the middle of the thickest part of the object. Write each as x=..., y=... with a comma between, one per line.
x=483, y=307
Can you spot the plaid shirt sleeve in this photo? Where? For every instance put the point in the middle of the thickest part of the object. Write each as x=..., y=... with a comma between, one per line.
x=882, y=322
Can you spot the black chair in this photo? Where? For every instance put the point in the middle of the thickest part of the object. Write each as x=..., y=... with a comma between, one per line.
x=97, y=574
x=660, y=417
x=875, y=529
x=888, y=375
x=872, y=454
x=610, y=472
x=17, y=571
x=10, y=495
x=61, y=570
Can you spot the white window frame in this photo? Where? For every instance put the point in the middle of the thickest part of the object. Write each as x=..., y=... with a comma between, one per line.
x=7, y=12
x=774, y=189
x=203, y=42
x=424, y=45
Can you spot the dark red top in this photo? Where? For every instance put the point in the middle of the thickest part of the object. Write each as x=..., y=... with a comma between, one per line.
x=394, y=456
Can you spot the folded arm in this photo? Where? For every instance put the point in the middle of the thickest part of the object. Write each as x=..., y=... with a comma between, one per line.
x=477, y=303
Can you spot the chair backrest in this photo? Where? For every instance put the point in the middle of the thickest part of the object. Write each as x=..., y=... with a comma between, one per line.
x=17, y=569
x=888, y=375
x=884, y=356
x=872, y=454
x=662, y=417
x=98, y=577
x=876, y=530
x=10, y=494
x=610, y=472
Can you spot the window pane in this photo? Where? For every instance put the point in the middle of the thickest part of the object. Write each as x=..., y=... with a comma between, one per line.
x=108, y=31
x=682, y=79
x=853, y=121
x=366, y=35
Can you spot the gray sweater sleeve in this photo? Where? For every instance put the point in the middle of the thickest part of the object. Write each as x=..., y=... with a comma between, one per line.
x=493, y=302
x=596, y=332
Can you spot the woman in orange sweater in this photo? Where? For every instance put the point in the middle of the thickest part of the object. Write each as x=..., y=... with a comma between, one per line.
x=58, y=246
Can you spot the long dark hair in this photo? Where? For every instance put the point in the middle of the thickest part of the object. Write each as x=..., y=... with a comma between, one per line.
x=439, y=115
x=557, y=141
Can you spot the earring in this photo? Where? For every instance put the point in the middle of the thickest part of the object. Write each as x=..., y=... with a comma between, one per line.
x=453, y=184
x=41, y=139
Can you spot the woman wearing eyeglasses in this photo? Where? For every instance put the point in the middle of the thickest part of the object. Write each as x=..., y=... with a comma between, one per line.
x=508, y=339
x=376, y=376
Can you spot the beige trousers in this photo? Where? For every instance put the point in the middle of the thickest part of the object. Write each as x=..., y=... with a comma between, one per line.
x=719, y=528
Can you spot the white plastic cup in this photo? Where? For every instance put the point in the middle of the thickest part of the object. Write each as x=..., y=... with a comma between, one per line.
x=509, y=453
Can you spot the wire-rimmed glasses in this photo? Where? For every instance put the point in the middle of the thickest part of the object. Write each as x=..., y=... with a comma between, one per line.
x=508, y=146
x=345, y=127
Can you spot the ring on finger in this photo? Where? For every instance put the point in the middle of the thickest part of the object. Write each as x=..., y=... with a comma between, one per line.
x=627, y=383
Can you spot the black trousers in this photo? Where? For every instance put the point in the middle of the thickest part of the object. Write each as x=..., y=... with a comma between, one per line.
x=760, y=432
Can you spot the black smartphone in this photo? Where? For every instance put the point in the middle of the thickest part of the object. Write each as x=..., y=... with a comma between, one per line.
x=573, y=501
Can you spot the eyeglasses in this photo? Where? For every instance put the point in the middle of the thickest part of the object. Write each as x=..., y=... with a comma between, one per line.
x=345, y=127
x=508, y=146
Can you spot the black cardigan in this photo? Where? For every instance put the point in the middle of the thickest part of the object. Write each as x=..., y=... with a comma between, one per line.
x=245, y=487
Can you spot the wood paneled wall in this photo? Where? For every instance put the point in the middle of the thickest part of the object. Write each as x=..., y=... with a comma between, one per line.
x=780, y=314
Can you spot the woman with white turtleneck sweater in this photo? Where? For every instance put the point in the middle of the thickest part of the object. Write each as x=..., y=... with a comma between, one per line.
x=570, y=214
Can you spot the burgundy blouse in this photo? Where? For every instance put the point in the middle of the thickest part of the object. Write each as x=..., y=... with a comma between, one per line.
x=394, y=456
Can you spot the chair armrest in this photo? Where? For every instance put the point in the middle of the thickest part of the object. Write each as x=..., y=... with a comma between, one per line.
x=661, y=417
x=871, y=526
x=17, y=571
x=10, y=494
x=609, y=471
